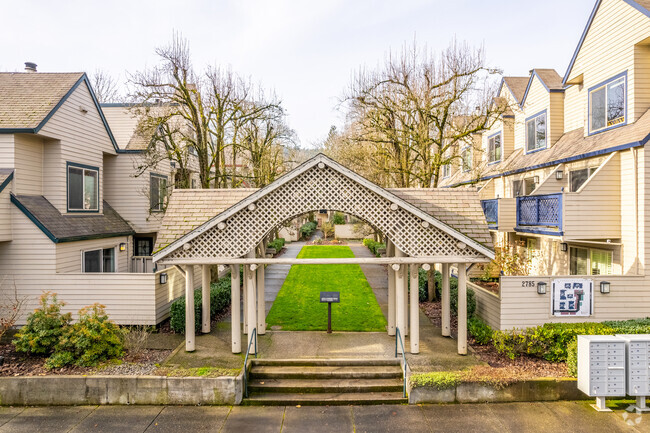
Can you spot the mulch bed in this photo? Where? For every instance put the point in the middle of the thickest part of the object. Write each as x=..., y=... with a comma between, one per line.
x=521, y=368
x=20, y=364
x=324, y=242
x=492, y=286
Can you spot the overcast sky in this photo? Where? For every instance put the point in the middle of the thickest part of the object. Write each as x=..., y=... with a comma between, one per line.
x=305, y=50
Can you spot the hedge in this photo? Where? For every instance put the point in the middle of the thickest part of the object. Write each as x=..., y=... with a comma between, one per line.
x=307, y=229
x=373, y=246
x=219, y=300
x=276, y=244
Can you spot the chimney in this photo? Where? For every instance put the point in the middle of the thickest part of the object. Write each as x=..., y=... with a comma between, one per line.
x=30, y=67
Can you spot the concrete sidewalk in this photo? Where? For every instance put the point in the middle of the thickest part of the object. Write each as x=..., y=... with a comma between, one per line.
x=575, y=417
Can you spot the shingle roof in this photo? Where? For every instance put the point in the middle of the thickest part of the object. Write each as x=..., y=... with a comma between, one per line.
x=644, y=4
x=458, y=208
x=572, y=144
x=517, y=86
x=551, y=78
x=189, y=208
x=68, y=228
x=27, y=98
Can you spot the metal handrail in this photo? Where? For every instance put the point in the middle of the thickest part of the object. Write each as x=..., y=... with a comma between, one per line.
x=248, y=351
x=398, y=337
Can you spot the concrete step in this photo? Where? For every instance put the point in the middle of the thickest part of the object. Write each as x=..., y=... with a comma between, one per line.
x=327, y=362
x=330, y=399
x=302, y=386
x=324, y=372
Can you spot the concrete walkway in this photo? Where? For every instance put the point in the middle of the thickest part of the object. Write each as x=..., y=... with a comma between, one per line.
x=575, y=417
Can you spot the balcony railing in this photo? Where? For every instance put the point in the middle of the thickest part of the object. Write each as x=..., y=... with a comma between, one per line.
x=491, y=211
x=142, y=265
x=541, y=212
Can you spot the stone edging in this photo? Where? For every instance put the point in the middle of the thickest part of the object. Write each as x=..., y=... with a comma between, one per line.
x=529, y=390
x=154, y=390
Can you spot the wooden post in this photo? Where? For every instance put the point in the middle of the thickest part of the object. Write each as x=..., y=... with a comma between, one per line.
x=261, y=303
x=252, y=313
x=446, y=302
x=189, y=309
x=390, y=250
x=400, y=270
x=205, y=298
x=415, y=310
x=462, y=308
x=234, y=309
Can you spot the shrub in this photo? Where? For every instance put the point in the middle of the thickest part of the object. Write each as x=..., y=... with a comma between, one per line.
x=422, y=285
x=94, y=338
x=44, y=327
x=135, y=338
x=373, y=246
x=471, y=301
x=327, y=229
x=634, y=326
x=439, y=379
x=307, y=229
x=338, y=218
x=219, y=300
x=277, y=244
x=480, y=330
x=572, y=358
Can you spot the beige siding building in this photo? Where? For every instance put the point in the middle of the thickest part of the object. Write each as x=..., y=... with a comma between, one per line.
x=567, y=185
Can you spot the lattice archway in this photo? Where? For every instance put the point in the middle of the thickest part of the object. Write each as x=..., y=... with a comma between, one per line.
x=321, y=186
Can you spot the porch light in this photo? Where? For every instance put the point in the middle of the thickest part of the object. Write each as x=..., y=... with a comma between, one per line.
x=541, y=288
x=564, y=247
x=559, y=175
x=163, y=278
x=536, y=179
x=122, y=246
x=604, y=287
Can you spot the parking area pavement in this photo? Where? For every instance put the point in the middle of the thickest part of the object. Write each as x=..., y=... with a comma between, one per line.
x=549, y=417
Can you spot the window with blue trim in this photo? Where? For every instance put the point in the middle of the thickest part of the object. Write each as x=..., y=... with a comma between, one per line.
x=607, y=105
x=536, y=133
x=83, y=188
x=494, y=148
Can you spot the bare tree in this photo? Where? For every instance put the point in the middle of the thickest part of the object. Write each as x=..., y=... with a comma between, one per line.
x=417, y=111
x=11, y=305
x=104, y=86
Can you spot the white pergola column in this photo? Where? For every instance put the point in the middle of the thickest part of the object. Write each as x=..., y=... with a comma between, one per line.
x=415, y=316
x=251, y=299
x=445, y=302
x=462, y=308
x=404, y=305
x=261, y=304
x=235, y=305
x=205, y=298
x=390, y=249
x=189, y=309
x=245, y=300
x=400, y=288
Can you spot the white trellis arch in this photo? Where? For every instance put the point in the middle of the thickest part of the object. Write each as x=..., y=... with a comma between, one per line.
x=232, y=237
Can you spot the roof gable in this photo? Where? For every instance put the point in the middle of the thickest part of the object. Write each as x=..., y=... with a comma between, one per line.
x=515, y=85
x=320, y=161
x=549, y=79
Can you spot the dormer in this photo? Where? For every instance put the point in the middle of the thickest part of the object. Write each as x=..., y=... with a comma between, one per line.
x=511, y=92
x=608, y=78
x=541, y=123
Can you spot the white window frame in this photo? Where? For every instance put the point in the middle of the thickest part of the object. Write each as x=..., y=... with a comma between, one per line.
x=492, y=148
x=446, y=171
x=101, y=260
x=590, y=252
x=83, y=169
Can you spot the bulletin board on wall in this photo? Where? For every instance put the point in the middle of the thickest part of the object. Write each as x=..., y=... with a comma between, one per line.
x=572, y=297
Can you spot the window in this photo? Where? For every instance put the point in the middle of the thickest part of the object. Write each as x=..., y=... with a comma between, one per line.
x=193, y=183
x=102, y=260
x=607, y=105
x=523, y=187
x=494, y=148
x=446, y=171
x=142, y=246
x=585, y=261
x=536, y=132
x=158, y=192
x=467, y=159
x=83, y=188
x=578, y=177
x=531, y=247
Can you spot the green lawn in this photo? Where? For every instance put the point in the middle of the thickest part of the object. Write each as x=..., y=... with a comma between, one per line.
x=298, y=308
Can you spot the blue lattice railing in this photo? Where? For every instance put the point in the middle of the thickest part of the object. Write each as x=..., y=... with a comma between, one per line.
x=491, y=211
x=540, y=210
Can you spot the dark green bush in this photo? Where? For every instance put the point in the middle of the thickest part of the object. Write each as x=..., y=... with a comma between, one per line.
x=373, y=246
x=572, y=358
x=307, y=229
x=634, y=326
x=94, y=338
x=338, y=218
x=219, y=300
x=44, y=327
x=471, y=301
x=480, y=330
x=276, y=244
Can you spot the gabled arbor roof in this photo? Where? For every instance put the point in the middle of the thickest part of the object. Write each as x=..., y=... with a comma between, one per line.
x=460, y=208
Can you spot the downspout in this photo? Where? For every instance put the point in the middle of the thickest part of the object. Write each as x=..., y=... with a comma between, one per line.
x=636, y=206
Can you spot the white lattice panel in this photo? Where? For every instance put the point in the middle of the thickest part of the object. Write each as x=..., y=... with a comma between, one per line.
x=321, y=188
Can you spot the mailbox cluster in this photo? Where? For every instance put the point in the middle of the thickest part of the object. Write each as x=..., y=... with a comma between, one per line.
x=614, y=366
